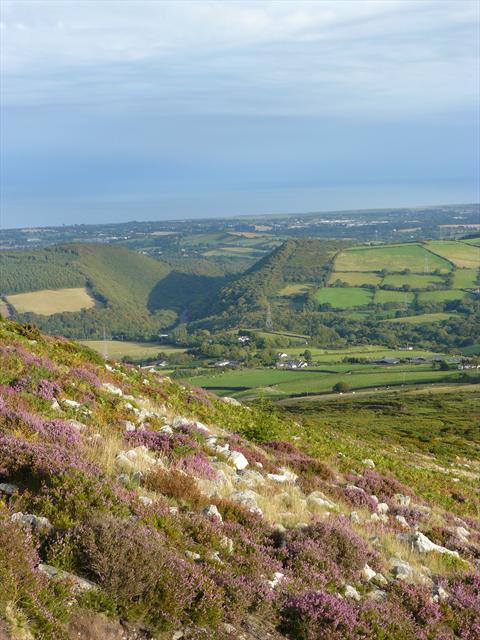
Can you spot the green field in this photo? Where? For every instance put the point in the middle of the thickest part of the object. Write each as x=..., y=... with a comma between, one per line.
x=383, y=296
x=474, y=241
x=390, y=257
x=355, y=278
x=344, y=297
x=461, y=254
x=465, y=279
x=117, y=349
x=441, y=296
x=294, y=289
x=414, y=280
x=423, y=319
x=282, y=383
x=49, y=301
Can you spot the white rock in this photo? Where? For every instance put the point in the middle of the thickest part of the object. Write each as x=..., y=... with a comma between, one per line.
x=377, y=594
x=111, y=388
x=277, y=578
x=462, y=533
x=382, y=507
x=354, y=517
x=374, y=498
x=232, y=401
x=402, y=521
x=249, y=477
x=8, y=489
x=420, y=543
x=368, y=573
x=238, y=460
x=37, y=523
x=401, y=500
x=400, y=569
x=285, y=476
x=108, y=367
x=193, y=555
x=129, y=426
x=79, y=584
x=167, y=429
x=211, y=511
x=145, y=500
x=55, y=405
x=368, y=462
x=351, y=592
x=71, y=403
x=245, y=498
x=227, y=544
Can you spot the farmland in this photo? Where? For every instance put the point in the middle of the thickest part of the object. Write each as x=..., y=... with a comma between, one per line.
x=423, y=318
x=355, y=278
x=465, y=278
x=344, y=297
x=441, y=296
x=46, y=302
x=413, y=280
x=293, y=289
x=118, y=349
x=383, y=296
x=250, y=383
x=459, y=253
x=390, y=257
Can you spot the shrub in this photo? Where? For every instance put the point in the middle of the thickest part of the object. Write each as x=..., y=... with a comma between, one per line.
x=176, y=484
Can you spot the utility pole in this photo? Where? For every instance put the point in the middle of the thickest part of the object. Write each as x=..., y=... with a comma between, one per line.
x=268, y=320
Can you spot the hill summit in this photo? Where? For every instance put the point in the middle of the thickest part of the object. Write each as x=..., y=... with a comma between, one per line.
x=134, y=507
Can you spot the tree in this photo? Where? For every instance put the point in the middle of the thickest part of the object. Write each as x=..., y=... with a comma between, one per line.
x=340, y=387
x=307, y=354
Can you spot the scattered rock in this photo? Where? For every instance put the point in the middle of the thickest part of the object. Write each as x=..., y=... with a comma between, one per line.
x=129, y=426
x=71, y=403
x=461, y=533
x=238, y=460
x=317, y=499
x=211, y=511
x=382, y=507
x=145, y=500
x=79, y=584
x=285, y=476
x=380, y=580
x=368, y=573
x=227, y=544
x=39, y=524
x=277, y=578
x=401, y=500
x=193, y=555
x=354, y=517
x=111, y=388
x=246, y=498
x=420, y=543
x=232, y=401
x=8, y=489
x=351, y=592
x=250, y=478
x=439, y=593
x=377, y=595
x=402, y=521
x=368, y=462
x=400, y=569
x=166, y=429
x=55, y=405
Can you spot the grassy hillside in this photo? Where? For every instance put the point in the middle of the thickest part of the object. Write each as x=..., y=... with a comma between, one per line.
x=133, y=507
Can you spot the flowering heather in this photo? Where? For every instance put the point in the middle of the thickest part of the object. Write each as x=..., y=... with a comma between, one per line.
x=197, y=394
x=357, y=497
x=161, y=442
x=85, y=374
x=318, y=615
x=465, y=602
x=30, y=359
x=20, y=384
x=252, y=454
x=47, y=389
x=196, y=465
x=303, y=464
x=382, y=486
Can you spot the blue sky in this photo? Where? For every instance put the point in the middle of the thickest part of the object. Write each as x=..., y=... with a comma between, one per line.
x=118, y=110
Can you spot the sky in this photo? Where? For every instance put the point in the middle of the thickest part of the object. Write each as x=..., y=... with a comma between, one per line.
x=114, y=110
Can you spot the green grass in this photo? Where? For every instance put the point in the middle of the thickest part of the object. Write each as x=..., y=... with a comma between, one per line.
x=383, y=296
x=367, y=352
x=472, y=350
x=294, y=289
x=474, y=241
x=394, y=258
x=414, y=280
x=254, y=382
x=344, y=297
x=441, y=296
x=355, y=278
x=423, y=318
x=465, y=278
x=49, y=301
x=118, y=349
x=460, y=253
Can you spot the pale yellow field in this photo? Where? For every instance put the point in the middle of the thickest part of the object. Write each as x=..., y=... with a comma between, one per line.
x=117, y=349
x=294, y=289
x=49, y=301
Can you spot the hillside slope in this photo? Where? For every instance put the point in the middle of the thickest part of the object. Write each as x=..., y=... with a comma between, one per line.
x=132, y=507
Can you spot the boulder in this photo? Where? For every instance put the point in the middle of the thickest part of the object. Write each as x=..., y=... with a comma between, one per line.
x=79, y=584
x=354, y=517
x=351, y=592
x=377, y=595
x=401, y=570
x=227, y=544
x=211, y=511
x=368, y=462
x=249, y=478
x=277, y=578
x=39, y=524
x=368, y=573
x=285, y=476
x=401, y=500
x=145, y=500
x=166, y=429
x=401, y=520
x=129, y=426
x=420, y=543
x=8, y=489
x=238, y=460
x=245, y=498
x=232, y=401
x=382, y=507
x=71, y=403
x=111, y=388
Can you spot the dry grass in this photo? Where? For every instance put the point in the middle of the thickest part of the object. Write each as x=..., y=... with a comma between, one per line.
x=49, y=301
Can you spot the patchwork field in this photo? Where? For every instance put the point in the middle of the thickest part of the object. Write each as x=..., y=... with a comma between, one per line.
x=391, y=257
x=383, y=296
x=250, y=383
x=49, y=301
x=414, y=280
x=344, y=297
x=465, y=278
x=461, y=254
x=441, y=295
x=424, y=318
x=355, y=278
x=117, y=349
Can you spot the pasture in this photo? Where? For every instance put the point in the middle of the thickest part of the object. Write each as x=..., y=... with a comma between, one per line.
x=355, y=278
x=118, y=349
x=383, y=296
x=395, y=257
x=441, y=296
x=344, y=297
x=465, y=279
x=46, y=302
x=413, y=280
x=423, y=318
x=460, y=253
x=250, y=383
x=294, y=289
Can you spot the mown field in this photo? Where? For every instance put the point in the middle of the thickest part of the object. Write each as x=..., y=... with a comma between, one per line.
x=118, y=349
x=344, y=297
x=355, y=278
x=46, y=302
x=383, y=296
x=459, y=253
x=391, y=257
x=413, y=280
x=465, y=279
x=249, y=383
x=423, y=318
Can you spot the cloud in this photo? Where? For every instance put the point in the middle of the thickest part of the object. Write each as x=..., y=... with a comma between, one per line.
x=243, y=57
